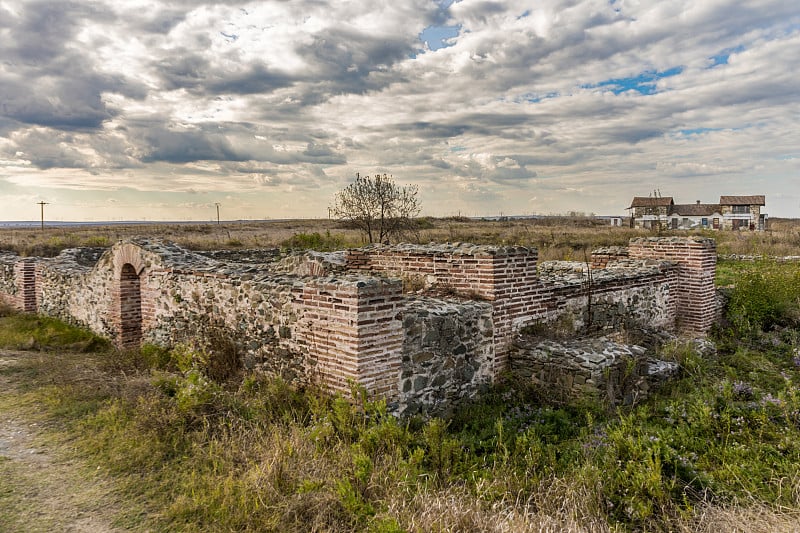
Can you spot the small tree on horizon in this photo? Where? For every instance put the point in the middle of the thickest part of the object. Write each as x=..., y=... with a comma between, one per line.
x=377, y=206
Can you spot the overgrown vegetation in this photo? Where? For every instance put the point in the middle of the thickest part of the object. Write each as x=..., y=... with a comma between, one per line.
x=34, y=332
x=197, y=446
x=326, y=242
x=766, y=296
x=199, y=452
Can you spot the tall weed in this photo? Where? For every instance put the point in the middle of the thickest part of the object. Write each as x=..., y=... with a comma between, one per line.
x=765, y=297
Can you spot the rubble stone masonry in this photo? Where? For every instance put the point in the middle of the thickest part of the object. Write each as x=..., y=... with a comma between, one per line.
x=344, y=319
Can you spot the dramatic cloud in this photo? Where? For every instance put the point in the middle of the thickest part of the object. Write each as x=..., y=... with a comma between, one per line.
x=159, y=108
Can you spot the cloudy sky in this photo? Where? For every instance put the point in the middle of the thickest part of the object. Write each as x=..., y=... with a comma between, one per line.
x=157, y=109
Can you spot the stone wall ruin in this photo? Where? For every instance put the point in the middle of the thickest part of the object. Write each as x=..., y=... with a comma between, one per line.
x=422, y=326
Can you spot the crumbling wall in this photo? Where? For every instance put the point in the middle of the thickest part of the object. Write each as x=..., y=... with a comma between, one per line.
x=258, y=313
x=448, y=353
x=503, y=275
x=334, y=331
x=627, y=294
x=8, y=278
x=596, y=368
x=327, y=318
x=601, y=257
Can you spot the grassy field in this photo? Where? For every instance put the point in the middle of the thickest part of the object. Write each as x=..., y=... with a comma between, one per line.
x=560, y=238
x=716, y=450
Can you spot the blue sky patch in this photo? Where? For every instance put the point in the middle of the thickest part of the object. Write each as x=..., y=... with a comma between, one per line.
x=436, y=36
x=722, y=57
x=697, y=131
x=644, y=83
x=533, y=98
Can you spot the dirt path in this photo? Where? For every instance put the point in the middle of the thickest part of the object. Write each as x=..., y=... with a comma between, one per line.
x=43, y=488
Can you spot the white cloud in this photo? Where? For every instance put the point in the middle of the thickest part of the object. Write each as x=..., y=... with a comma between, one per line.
x=168, y=98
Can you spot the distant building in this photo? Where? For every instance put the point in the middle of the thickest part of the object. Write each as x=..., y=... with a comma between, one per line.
x=731, y=213
x=743, y=212
x=611, y=220
x=650, y=212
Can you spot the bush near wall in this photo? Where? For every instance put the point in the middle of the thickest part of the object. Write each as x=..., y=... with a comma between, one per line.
x=765, y=296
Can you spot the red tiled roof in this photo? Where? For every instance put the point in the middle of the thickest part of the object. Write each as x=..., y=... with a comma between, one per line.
x=645, y=201
x=742, y=200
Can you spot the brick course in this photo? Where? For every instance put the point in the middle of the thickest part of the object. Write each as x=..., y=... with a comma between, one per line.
x=355, y=325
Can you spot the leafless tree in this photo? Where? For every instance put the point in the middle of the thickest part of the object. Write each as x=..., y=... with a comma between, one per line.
x=377, y=206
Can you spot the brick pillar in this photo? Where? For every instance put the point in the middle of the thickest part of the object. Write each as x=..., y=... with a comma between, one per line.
x=129, y=308
x=514, y=293
x=25, y=273
x=697, y=260
x=352, y=333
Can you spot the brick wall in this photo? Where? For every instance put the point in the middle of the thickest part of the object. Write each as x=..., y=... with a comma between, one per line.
x=697, y=260
x=352, y=332
x=503, y=275
x=517, y=298
x=128, y=299
x=467, y=270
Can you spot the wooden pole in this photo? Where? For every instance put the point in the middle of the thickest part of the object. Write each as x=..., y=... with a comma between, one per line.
x=42, y=204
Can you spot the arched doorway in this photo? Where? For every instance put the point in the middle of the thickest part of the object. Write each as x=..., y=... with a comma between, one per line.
x=130, y=307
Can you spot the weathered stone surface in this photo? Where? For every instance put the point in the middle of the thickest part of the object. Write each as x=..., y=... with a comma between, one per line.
x=339, y=317
x=448, y=350
x=595, y=367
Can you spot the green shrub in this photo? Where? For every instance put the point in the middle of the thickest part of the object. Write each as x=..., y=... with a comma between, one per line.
x=764, y=297
x=23, y=331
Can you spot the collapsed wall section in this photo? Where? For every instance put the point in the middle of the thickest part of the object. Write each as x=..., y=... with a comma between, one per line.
x=596, y=368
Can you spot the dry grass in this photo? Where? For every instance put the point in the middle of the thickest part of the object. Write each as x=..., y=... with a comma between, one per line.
x=570, y=238
x=741, y=519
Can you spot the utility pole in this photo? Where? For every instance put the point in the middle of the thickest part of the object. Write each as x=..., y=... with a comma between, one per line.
x=217, y=204
x=42, y=204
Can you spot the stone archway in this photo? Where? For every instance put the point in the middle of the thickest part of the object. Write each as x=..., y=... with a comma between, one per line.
x=130, y=307
x=129, y=269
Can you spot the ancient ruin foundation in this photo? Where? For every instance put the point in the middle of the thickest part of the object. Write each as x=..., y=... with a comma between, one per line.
x=344, y=318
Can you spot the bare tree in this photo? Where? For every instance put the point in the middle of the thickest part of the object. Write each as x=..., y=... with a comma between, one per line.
x=377, y=206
